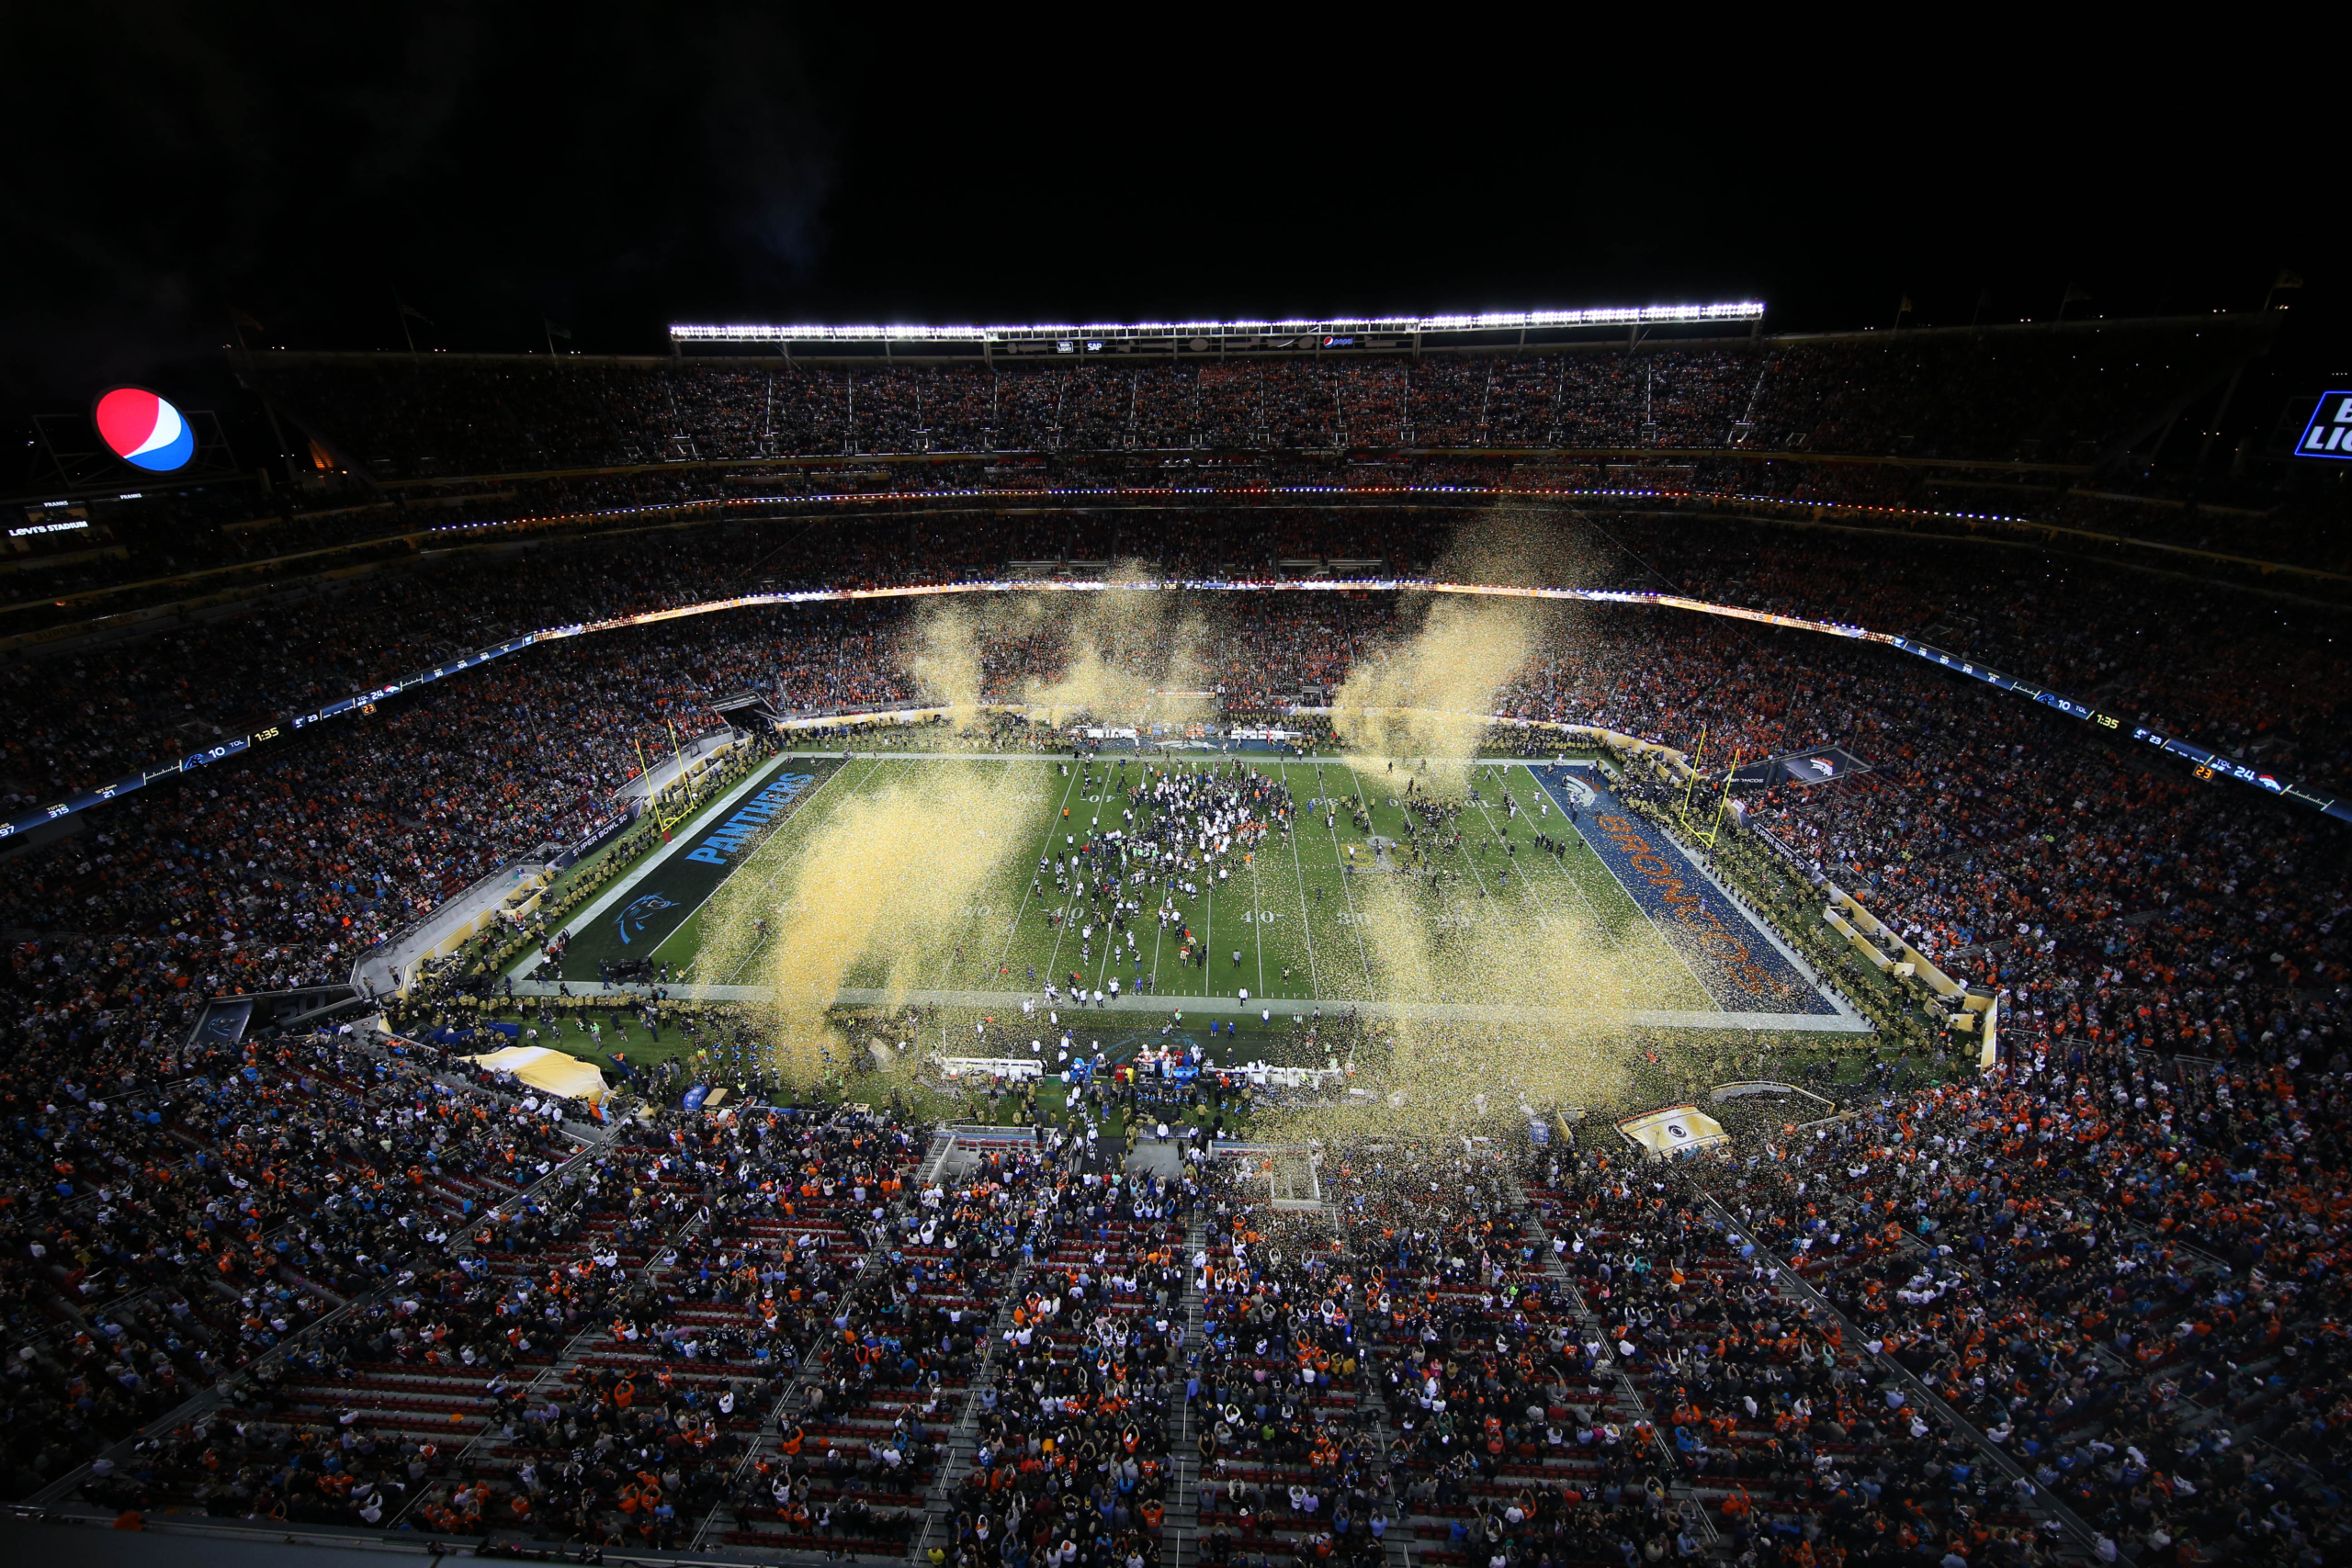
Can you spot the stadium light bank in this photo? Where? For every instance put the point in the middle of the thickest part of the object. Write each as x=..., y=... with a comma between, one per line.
x=1335, y=331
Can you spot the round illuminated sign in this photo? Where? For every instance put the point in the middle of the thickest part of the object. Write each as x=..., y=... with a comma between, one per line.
x=144, y=430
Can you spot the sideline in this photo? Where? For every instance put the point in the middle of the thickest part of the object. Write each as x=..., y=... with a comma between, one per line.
x=1155, y=1005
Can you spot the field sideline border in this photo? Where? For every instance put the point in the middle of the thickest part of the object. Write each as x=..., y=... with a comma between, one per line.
x=1844, y=1021
x=1160, y=1005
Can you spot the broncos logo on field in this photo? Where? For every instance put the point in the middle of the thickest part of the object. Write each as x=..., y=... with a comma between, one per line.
x=1567, y=784
x=639, y=911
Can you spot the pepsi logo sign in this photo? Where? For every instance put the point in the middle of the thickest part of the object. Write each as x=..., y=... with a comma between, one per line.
x=144, y=430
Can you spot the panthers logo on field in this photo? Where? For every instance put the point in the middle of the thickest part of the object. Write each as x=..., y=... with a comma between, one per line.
x=639, y=911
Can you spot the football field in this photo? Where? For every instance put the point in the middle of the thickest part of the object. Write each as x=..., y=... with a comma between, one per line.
x=1300, y=918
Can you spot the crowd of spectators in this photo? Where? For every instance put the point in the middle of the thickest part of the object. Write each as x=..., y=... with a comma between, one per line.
x=2118, y=1264
x=2116, y=1269
x=2249, y=674
x=2089, y=1304
x=465, y=1307
x=181, y=1210
x=2122, y=1268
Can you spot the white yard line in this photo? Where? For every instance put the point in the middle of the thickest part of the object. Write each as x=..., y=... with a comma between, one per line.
x=1208, y=928
x=1061, y=929
x=1036, y=880
x=1576, y=843
x=1258, y=920
x=1469, y=852
x=1158, y=940
x=971, y=913
x=1614, y=940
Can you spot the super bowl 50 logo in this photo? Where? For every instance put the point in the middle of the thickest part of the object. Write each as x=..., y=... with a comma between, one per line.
x=2329, y=434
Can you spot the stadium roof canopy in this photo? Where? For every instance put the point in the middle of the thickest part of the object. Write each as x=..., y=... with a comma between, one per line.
x=1202, y=337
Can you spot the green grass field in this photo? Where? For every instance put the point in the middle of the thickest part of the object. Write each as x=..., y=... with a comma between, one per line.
x=1292, y=912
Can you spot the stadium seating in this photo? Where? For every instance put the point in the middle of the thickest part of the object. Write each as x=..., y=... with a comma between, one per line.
x=2005, y=394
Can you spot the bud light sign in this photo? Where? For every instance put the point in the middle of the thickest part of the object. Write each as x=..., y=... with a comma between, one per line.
x=2329, y=434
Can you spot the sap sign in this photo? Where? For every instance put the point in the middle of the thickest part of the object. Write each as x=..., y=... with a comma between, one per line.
x=144, y=430
x=2329, y=434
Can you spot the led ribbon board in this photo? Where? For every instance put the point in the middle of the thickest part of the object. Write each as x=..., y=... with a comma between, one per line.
x=2207, y=764
x=1226, y=332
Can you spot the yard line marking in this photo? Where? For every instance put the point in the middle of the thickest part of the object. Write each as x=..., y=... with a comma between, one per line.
x=971, y=907
x=1258, y=920
x=1576, y=843
x=1036, y=880
x=1298, y=876
x=1062, y=926
x=1208, y=931
x=1159, y=938
x=1339, y=864
x=1468, y=855
x=1614, y=940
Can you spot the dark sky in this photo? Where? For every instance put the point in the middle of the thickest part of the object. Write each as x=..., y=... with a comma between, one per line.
x=617, y=168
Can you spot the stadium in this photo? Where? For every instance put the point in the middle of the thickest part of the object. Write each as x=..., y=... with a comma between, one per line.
x=632, y=948
x=1438, y=867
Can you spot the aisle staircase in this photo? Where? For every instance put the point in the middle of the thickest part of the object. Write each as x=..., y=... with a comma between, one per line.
x=1180, y=1524
x=1625, y=1400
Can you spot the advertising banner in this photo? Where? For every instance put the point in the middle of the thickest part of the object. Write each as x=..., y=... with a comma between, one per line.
x=222, y=1023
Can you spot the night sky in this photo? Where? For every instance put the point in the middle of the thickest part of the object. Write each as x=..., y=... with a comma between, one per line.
x=617, y=169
